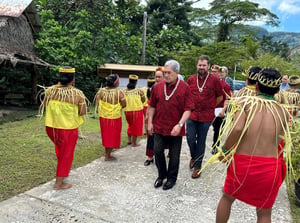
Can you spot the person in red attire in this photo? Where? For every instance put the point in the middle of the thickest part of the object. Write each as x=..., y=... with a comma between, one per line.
x=256, y=170
x=110, y=101
x=134, y=110
x=64, y=106
x=159, y=76
x=150, y=139
x=221, y=107
x=170, y=105
x=207, y=92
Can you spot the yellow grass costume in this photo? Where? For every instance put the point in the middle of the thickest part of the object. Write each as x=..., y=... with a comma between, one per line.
x=251, y=104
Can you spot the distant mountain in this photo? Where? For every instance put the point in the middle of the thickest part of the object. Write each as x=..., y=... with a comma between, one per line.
x=291, y=38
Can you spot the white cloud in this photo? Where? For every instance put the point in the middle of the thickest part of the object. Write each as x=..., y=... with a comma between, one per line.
x=285, y=6
x=289, y=7
x=202, y=4
x=267, y=4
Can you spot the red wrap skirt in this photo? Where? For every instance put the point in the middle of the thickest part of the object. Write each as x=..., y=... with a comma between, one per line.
x=255, y=180
x=135, y=122
x=111, y=132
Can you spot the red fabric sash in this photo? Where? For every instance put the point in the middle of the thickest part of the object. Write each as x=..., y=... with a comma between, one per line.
x=255, y=180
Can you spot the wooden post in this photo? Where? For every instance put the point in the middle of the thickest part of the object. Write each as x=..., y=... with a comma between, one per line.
x=144, y=37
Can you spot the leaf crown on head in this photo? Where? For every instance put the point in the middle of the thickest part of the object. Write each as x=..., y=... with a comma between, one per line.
x=133, y=77
x=66, y=70
x=271, y=83
x=250, y=75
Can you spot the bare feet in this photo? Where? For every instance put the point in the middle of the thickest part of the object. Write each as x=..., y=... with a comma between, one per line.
x=135, y=145
x=111, y=158
x=62, y=186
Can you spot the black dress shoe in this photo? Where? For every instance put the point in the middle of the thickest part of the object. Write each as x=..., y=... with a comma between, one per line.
x=158, y=183
x=168, y=185
x=148, y=162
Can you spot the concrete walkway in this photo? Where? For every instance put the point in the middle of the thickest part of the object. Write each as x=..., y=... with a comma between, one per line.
x=123, y=191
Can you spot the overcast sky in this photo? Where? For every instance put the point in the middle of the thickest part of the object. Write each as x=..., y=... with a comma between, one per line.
x=288, y=12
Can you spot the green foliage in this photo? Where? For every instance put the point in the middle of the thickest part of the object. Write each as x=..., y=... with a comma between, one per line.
x=161, y=45
x=275, y=47
x=271, y=61
x=226, y=14
x=296, y=148
x=221, y=53
x=292, y=39
x=251, y=47
x=163, y=14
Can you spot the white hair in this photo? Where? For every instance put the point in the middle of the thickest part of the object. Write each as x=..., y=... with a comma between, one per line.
x=173, y=64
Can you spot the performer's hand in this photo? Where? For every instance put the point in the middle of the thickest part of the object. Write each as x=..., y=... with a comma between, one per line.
x=224, y=159
x=176, y=130
x=150, y=129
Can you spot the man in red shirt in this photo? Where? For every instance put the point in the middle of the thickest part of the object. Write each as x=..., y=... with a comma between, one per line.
x=221, y=107
x=170, y=105
x=207, y=92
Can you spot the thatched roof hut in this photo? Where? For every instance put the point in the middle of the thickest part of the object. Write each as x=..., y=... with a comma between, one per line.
x=18, y=23
x=16, y=37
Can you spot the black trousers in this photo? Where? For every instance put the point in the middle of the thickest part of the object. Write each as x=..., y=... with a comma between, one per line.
x=217, y=125
x=174, y=143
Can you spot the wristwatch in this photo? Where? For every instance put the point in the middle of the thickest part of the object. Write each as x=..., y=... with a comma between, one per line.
x=180, y=124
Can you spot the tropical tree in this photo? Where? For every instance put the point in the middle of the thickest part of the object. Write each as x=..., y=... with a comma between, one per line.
x=221, y=53
x=163, y=14
x=271, y=61
x=251, y=47
x=275, y=47
x=226, y=14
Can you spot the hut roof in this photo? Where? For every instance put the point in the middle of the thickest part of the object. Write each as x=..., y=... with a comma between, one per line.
x=123, y=70
x=18, y=21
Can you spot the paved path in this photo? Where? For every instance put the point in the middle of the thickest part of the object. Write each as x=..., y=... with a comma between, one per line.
x=123, y=191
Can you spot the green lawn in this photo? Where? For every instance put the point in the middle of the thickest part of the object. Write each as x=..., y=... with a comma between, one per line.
x=27, y=156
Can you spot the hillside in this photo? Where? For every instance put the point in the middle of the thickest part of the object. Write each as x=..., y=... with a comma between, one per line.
x=291, y=38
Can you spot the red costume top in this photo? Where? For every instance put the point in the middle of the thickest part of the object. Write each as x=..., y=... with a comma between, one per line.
x=226, y=93
x=168, y=112
x=205, y=101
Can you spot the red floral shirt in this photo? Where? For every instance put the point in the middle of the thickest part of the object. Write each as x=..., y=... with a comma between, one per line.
x=205, y=101
x=168, y=113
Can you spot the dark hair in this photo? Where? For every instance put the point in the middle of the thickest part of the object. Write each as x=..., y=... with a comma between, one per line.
x=204, y=57
x=251, y=82
x=253, y=70
x=272, y=75
x=66, y=78
x=150, y=84
x=148, y=93
x=131, y=84
x=111, y=79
